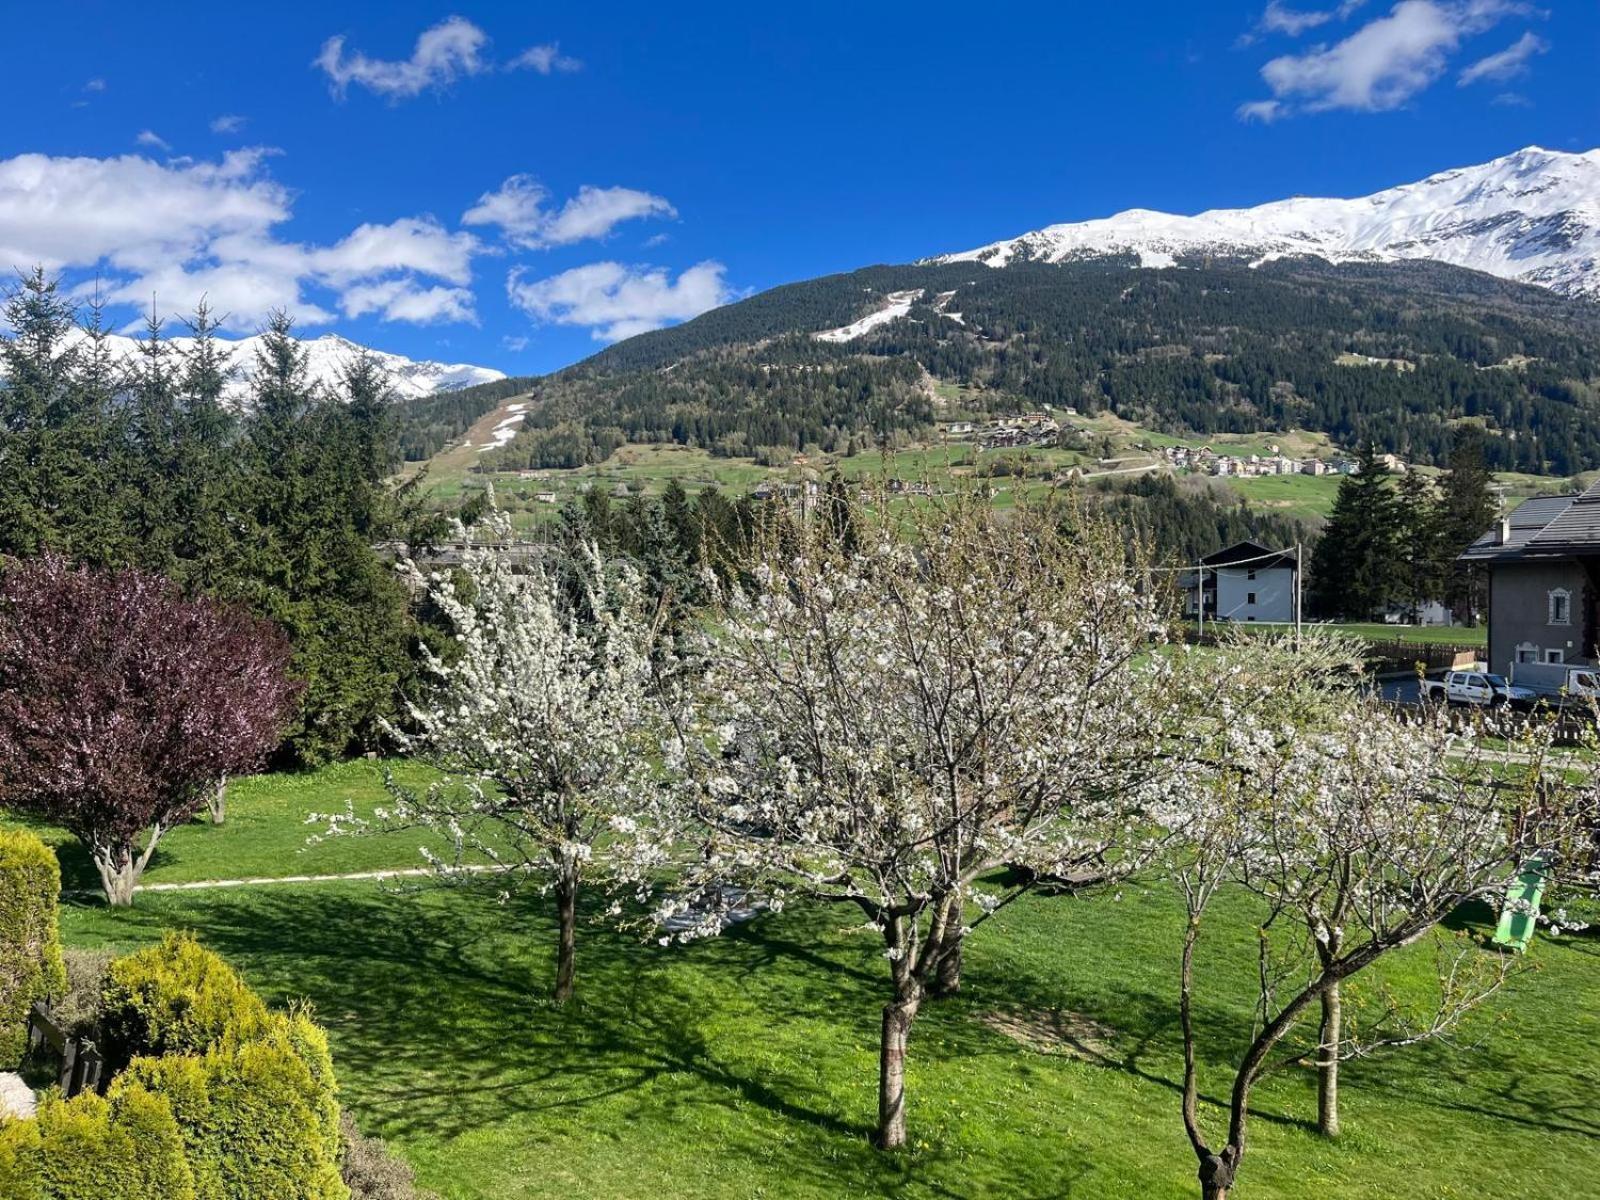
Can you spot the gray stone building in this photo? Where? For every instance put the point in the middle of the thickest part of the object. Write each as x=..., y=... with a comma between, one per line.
x=1543, y=563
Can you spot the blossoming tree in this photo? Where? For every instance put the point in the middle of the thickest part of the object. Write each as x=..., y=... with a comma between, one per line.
x=122, y=703
x=892, y=716
x=543, y=722
x=1357, y=832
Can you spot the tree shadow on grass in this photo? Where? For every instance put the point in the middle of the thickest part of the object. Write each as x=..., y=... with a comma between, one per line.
x=436, y=1002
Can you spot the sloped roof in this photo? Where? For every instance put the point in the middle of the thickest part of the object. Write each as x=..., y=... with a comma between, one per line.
x=1251, y=554
x=1544, y=526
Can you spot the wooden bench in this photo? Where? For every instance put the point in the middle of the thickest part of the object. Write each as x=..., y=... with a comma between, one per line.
x=81, y=1064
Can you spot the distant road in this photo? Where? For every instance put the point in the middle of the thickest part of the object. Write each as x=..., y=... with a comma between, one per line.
x=1404, y=690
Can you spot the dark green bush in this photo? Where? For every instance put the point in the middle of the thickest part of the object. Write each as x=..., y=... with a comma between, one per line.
x=372, y=1172
x=127, y=1147
x=30, y=946
x=176, y=998
x=258, y=1119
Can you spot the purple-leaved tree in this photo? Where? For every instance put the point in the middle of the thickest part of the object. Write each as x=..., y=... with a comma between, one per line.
x=123, y=702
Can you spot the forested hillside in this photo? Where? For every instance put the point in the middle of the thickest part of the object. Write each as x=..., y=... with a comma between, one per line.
x=426, y=424
x=1395, y=353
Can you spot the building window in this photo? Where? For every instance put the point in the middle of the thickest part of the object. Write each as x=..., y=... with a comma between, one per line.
x=1250, y=574
x=1527, y=653
x=1560, y=607
x=1555, y=656
x=1250, y=598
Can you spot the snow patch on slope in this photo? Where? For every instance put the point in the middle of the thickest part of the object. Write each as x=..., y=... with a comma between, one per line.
x=1532, y=216
x=506, y=428
x=897, y=305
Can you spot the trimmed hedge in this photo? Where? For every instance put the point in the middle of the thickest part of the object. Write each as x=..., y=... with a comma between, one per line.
x=247, y=1097
x=253, y=1117
x=175, y=998
x=253, y=1092
x=127, y=1147
x=30, y=945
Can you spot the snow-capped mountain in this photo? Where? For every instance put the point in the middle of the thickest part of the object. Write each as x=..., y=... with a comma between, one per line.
x=326, y=357
x=1532, y=216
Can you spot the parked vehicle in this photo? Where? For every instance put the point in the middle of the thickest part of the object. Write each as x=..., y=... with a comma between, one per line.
x=1558, y=681
x=1477, y=688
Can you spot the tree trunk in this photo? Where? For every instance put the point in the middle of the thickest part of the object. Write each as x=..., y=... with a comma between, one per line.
x=898, y=1015
x=1216, y=1175
x=947, y=980
x=217, y=802
x=567, y=946
x=117, y=879
x=947, y=970
x=1328, y=1063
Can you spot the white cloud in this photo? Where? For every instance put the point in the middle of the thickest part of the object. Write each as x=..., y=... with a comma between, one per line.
x=443, y=53
x=515, y=344
x=186, y=229
x=405, y=300
x=616, y=301
x=1383, y=64
x=1265, y=111
x=148, y=137
x=227, y=123
x=418, y=244
x=1280, y=18
x=452, y=49
x=544, y=59
x=518, y=208
x=1508, y=63
x=95, y=85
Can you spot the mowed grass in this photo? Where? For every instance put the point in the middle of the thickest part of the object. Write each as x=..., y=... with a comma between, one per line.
x=746, y=1066
x=268, y=833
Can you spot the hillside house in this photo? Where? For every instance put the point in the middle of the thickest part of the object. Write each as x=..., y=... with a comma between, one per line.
x=1245, y=582
x=1543, y=563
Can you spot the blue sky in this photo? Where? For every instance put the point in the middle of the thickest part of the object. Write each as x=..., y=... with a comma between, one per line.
x=528, y=181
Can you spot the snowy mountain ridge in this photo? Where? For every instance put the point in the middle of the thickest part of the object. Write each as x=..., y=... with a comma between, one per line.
x=1532, y=216
x=326, y=359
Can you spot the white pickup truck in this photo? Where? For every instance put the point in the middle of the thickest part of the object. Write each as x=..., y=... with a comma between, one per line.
x=1477, y=687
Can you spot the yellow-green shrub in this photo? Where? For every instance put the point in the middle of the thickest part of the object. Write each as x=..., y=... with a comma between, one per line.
x=176, y=998
x=127, y=1147
x=258, y=1119
x=30, y=946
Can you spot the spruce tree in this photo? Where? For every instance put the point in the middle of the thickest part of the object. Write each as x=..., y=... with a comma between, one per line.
x=1356, y=567
x=61, y=485
x=1467, y=507
x=1418, y=543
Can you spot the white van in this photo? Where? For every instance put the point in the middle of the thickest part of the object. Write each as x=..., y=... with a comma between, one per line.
x=1574, y=681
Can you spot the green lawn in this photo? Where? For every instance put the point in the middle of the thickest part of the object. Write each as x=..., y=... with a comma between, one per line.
x=1303, y=496
x=745, y=1066
x=266, y=834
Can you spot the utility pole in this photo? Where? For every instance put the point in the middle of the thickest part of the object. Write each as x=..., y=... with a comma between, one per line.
x=1299, y=592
